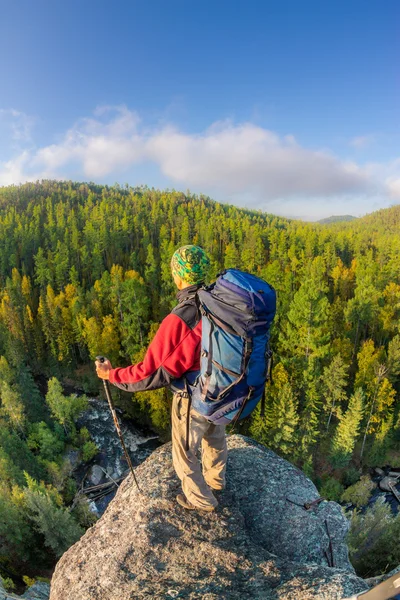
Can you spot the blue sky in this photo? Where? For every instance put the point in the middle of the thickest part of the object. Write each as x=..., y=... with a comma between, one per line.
x=286, y=106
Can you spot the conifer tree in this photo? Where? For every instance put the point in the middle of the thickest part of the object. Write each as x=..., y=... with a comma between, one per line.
x=334, y=381
x=347, y=431
x=362, y=311
x=135, y=306
x=53, y=521
x=276, y=429
x=308, y=431
x=152, y=278
x=231, y=258
x=65, y=409
x=307, y=333
x=380, y=403
x=12, y=406
x=381, y=443
x=393, y=359
x=16, y=536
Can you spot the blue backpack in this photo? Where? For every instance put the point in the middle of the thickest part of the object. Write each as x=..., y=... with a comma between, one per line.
x=237, y=313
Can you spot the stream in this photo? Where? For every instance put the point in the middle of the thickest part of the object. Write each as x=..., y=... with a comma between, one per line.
x=110, y=462
x=378, y=493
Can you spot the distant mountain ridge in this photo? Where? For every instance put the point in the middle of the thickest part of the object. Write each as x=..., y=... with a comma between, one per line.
x=336, y=219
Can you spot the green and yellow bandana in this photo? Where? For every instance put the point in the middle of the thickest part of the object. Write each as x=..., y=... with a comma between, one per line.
x=191, y=264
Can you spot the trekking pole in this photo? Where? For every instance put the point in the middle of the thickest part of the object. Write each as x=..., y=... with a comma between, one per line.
x=102, y=359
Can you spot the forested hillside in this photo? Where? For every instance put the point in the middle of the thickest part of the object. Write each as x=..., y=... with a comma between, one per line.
x=84, y=269
x=336, y=219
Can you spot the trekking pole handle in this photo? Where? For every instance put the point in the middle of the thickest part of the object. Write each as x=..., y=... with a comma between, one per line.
x=101, y=359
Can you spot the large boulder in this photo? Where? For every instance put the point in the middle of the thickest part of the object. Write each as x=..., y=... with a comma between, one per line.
x=95, y=475
x=261, y=543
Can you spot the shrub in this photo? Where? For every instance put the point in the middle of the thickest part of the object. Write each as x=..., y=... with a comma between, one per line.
x=350, y=476
x=89, y=450
x=373, y=540
x=8, y=584
x=359, y=493
x=331, y=489
x=82, y=513
x=69, y=490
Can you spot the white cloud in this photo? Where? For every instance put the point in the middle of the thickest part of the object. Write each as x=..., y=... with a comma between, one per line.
x=393, y=184
x=237, y=159
x=362, y=141
x=243, y=163
x=12, y=171
x=18, y=123
x=99, y=147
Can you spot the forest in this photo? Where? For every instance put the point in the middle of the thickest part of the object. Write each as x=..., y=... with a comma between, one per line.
x=85, y=270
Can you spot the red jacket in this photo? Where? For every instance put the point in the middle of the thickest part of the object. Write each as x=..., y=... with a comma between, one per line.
x=174, y=350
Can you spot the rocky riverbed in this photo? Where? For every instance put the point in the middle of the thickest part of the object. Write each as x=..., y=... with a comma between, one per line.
x=110, y=463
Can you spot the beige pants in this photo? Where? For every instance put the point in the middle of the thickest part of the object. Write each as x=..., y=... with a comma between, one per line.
x=198, y=477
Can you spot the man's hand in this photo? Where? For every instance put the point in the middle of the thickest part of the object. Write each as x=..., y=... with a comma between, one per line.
x=103, y=369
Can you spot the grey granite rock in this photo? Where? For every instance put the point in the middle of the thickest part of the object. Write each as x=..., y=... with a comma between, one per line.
x=37, y=591
x=272, y=492
x=256, y=545
x=95, y=475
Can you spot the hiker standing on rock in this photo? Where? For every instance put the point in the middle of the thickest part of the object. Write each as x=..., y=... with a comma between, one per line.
x=173, y=356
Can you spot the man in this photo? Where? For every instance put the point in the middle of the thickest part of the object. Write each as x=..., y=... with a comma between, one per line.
x=174, y=353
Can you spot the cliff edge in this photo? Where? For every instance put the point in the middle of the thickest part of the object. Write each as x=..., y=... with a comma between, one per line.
x=261, y=543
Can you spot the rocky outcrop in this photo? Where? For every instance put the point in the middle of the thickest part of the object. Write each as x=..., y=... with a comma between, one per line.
x=37, y=591
x=261, y=543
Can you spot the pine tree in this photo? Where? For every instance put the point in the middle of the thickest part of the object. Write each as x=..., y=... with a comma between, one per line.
x=334, y=381
x=64, y=409
x=231, y=258
x=16, y=537
x=381, y=444
x=276, y=429
x=12, y=406
x=91, y=334
x=307, y=333
x=347, y=431
x=379, y=403
x=109, y=342
x=362, y=311
x=394, y=359
x=55, y=523
x=308, y=431
x=135, y=310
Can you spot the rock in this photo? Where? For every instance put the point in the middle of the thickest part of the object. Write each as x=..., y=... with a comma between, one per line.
x=373, y=581
x=37, y=591
x=272, y=506
x=256, y=545
x=96, y=474
x=74, y=458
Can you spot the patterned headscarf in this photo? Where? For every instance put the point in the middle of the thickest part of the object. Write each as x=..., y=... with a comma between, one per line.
x=191, y=264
